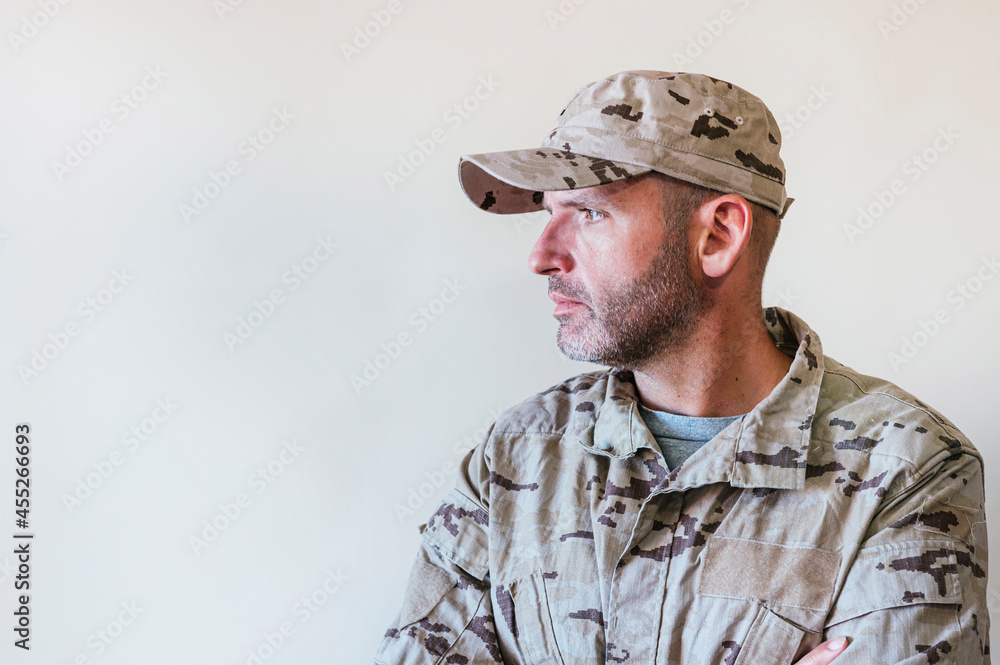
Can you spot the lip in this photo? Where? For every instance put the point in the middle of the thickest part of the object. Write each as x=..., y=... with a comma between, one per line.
x=563, y=304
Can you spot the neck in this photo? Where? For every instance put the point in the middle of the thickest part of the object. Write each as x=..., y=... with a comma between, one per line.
x=725, y=368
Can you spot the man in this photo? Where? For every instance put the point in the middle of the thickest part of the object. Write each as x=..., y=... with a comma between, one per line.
x=725, y=492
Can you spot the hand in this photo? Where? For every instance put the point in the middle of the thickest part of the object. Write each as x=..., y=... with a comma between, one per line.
x=824, y=653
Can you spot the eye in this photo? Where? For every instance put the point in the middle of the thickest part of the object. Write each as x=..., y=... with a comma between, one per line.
x=592, y=215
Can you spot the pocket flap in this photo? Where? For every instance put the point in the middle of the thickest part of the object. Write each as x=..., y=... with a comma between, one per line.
x=771, y=640
x=459, y=531
x=924, y=571
x=426, y=587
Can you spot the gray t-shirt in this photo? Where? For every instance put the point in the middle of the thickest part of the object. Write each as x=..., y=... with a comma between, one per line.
x=680, y=436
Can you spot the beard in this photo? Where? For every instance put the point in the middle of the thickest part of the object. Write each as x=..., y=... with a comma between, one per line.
x=630, y=324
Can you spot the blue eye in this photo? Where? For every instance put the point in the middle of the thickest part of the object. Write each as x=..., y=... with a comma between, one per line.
x=597, y=215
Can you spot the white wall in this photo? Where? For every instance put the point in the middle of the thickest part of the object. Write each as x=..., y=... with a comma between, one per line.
x=885, y=98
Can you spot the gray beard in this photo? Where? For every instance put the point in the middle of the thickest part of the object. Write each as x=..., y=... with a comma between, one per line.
x=636, y=321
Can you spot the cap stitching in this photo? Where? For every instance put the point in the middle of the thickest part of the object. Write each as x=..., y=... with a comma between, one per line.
x=733, y=94
x=667, y=145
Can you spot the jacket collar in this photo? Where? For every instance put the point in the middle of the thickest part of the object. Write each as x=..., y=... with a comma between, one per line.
x=765, y=448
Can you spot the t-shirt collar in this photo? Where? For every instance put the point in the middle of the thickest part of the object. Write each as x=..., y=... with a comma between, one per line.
x=765, y=448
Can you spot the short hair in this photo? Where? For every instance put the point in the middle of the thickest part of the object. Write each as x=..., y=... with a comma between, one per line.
x=681, y=199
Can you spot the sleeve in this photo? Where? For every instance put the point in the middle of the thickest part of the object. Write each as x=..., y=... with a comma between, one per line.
x=916, y=591
x=447, y=613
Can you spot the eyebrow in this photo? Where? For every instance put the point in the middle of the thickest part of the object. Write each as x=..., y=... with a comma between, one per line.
x=581, y=200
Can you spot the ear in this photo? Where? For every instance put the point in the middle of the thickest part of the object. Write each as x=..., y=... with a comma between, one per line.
x=723, y=228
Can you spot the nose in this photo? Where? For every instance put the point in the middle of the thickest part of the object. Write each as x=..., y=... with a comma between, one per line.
x=551, y=251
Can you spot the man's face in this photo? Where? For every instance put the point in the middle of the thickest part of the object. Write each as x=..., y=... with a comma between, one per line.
x=619, y=273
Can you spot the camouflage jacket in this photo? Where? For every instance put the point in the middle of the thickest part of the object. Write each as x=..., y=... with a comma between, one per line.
x=840, y=505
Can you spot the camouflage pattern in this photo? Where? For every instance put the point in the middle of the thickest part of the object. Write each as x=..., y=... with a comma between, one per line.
x=840, y=505
x=690, y=126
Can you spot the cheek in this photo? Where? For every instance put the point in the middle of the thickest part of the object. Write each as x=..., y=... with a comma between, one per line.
x=608, y=251
x=604, y=270
x=624, y=263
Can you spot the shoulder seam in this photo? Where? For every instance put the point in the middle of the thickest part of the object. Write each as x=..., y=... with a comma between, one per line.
x=936, y=420
x=931, y=467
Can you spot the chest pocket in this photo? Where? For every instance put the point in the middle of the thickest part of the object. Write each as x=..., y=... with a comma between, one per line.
x=771, y=639
x=901, y=574
x=788, y=592
x=525, y=608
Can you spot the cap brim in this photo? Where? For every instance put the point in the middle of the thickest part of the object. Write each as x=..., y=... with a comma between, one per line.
x=512, y=182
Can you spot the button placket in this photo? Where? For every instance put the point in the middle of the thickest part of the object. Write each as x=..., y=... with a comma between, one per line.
x=639, y=582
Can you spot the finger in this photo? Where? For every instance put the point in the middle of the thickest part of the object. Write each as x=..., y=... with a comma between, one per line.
x=825, y=653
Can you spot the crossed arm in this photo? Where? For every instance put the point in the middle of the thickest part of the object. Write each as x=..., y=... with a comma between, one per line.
x=915, y=592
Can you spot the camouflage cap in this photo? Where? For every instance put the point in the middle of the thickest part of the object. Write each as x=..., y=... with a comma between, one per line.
x=689, y=126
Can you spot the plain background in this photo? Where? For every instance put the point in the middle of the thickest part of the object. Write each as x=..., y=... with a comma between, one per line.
x=864, y=99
